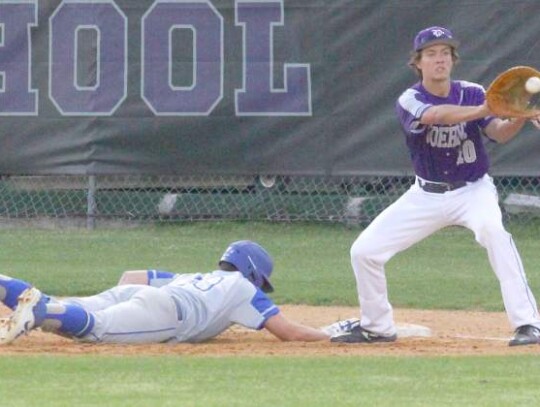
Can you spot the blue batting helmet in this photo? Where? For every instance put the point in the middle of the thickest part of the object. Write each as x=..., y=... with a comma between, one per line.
x=253, y=261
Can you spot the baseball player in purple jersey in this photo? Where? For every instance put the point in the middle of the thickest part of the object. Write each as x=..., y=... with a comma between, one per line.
x=444, y=122
x=150, y=306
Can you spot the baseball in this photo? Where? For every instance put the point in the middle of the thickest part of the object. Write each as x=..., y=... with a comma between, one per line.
x=533, y=84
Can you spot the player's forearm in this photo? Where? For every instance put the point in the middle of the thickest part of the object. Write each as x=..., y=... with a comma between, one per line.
x=452, y=114
x=304, y=334
x=134, y=277
x=287, y=330
x=155, y=278
x=503, y=131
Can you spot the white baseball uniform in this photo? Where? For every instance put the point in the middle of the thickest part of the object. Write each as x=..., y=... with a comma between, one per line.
x=190, y=308
x=452, y=188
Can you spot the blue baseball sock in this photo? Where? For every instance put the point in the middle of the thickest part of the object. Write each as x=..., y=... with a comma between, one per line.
x=68, y=319
x=10, y=289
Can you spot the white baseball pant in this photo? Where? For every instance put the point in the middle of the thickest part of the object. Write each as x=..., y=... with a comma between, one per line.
x=418, y=214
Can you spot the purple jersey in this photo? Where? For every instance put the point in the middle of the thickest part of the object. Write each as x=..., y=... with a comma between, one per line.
x=444, y=153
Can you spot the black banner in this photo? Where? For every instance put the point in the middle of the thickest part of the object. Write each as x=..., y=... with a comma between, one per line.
x=236, y=86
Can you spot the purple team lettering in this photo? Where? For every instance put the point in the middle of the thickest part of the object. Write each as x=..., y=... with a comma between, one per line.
x=104, y=93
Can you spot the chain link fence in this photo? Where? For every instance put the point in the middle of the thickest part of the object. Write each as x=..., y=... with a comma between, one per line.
x=90, y=201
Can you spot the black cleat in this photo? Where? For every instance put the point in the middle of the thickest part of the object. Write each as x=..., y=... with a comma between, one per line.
x=525, y=335
x=361, y=335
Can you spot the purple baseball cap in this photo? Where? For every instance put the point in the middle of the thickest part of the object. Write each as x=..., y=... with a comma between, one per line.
x=432, y=36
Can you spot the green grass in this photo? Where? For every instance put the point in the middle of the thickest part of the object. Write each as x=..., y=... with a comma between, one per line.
x=448, y=270
x=338, y=381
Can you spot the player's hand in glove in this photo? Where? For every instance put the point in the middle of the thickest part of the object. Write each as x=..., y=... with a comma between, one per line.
x=340, y=327
x=510, y=96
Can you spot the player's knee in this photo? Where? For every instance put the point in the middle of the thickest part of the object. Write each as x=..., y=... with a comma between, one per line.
x=361, y=251
x=491, y=232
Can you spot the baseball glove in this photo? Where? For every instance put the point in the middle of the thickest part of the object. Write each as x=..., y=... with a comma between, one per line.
x=507, y=96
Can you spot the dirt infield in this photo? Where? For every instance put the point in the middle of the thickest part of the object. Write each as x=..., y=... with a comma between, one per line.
x=454, y=333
